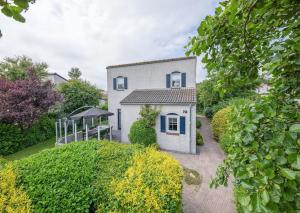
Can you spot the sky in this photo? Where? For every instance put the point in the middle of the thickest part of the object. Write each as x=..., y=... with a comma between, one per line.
x=93, y=34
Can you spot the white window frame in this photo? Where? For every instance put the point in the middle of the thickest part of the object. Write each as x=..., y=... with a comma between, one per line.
x=178, y=126
x=117, y=84
x=172, y=76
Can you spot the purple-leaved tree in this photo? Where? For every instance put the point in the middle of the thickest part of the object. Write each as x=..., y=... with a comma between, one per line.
x=23, y=101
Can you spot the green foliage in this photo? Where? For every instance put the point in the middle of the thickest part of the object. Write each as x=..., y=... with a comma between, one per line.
x=198, y=123
x=149, y=115
x=199, y=138
x=60, y=179
x=78, y=93
x=221, y=121
x=14, y=9
x=263, y=154
x=240, y=42
x=141, y=133
x=206, y=95
x=104, y=106
x=3, y=162
x=16, y=68
x=87, y=176
x=74, y=73
x=14, y=138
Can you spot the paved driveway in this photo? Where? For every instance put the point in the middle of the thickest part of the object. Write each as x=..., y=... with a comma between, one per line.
x=202, y=199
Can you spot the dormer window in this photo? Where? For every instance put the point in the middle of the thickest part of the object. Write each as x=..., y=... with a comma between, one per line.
x=120, y=83
x=176, y=80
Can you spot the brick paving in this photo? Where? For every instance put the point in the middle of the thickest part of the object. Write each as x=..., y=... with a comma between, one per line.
x=202, y=199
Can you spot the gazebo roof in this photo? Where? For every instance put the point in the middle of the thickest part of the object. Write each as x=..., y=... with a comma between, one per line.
x=92, y=112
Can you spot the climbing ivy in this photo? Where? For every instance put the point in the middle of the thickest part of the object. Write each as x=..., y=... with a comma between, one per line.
x=241, y=43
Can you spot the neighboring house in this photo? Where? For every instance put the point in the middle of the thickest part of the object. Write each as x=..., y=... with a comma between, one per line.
x=55, y=78
x=169, y=86
x=103, y=99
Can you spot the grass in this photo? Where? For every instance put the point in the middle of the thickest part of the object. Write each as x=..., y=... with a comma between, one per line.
x=191, y=177
x=50, y=143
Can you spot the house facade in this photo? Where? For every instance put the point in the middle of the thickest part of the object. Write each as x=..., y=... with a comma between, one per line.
x=55, y=78
x=167, y=85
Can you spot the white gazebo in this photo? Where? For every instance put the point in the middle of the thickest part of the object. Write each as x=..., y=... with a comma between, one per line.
x=91, y=125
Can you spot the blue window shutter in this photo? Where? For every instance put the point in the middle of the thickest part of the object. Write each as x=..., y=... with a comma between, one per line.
x=183, y=79
x=125, y=83
x=168, y=81
x=115, y=83
x=182, y=125
x=163, y=123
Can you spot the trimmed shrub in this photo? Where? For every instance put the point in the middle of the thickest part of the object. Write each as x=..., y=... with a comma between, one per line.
x=220, y=122
x=208, y=112
x=14, y=139
x=12, y=198
x=3, y=162
x=88, y=176
x=198, y=123
x=153, y=182
x=199, y=138
x=140, y=133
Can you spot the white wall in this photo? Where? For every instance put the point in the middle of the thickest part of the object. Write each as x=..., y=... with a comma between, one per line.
x=55, y=79
x=180, y=143
x=145, y=76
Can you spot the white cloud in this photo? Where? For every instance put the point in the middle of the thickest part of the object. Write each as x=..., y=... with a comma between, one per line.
x=93, y=34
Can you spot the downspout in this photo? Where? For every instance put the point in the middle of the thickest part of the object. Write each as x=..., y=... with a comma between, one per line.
x=190, y=135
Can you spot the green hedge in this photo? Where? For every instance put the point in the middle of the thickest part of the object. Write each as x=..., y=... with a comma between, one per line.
x=140, y=133
x=220, y=122
x=94, y=176
x=14, y=139
x=199, y=138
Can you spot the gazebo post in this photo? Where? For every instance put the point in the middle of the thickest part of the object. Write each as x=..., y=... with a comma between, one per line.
x=83, y=123
x=60, y=134
x=110, y=135
x=56, y=131
x=86, y=132
x=73, y=126
x=98, y=127
x=75, y=130
x=65, y=125
x=92, y=121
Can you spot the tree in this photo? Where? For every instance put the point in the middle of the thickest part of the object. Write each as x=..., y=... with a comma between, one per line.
x=239, y=42
x=24, y=101
x=74, y=73
x=78, y=93
x=16, y=68
x=14, y=8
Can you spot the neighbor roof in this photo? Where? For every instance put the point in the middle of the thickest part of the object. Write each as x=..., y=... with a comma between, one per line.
x=161, y=96
x=54, y=73
x=152, y=62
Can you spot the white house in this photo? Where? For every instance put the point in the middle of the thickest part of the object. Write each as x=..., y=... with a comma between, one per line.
x=55, y=78
x=169, y=86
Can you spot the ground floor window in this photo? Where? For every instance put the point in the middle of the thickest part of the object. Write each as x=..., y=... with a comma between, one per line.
x=172, y=124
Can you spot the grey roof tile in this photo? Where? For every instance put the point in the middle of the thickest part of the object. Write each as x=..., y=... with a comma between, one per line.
x=161, y=96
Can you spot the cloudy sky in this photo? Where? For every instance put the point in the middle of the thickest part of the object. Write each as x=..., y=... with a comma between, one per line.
x=92, y=34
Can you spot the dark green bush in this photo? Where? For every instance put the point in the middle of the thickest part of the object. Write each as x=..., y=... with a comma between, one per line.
x=14, y=139
x=199, y=138
x=198, y=123
x=140, y=133
x=208, y=112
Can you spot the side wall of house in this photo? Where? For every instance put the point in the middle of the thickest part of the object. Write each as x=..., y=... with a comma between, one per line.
x=180, y=142
x=146, y=76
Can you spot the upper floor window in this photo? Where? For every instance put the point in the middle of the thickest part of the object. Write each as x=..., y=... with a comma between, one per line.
x=176, y=80
x=120, y=83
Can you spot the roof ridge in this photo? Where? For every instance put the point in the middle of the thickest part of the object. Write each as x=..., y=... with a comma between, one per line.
x=152, y=62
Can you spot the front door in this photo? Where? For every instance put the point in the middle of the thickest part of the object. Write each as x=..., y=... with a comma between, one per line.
x=119, y=119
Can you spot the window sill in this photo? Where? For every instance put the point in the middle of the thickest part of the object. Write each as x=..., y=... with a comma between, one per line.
x=172, y=133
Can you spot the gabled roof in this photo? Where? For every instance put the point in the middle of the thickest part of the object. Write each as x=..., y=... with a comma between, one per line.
x=151, y=62
x=161, y=96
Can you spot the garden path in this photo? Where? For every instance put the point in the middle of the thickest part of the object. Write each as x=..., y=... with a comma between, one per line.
x=203, y=199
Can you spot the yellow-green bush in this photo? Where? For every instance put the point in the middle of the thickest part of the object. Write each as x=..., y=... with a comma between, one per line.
x=152, y=184
x=220, y=122
x=12, y=198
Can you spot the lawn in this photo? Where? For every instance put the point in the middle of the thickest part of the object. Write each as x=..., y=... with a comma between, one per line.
x=50, y=143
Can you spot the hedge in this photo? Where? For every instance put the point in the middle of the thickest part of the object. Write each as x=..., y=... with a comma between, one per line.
x=199, y=138
x=14, y=139
x=220, y=122
x=87, y=177
x=140, y=133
